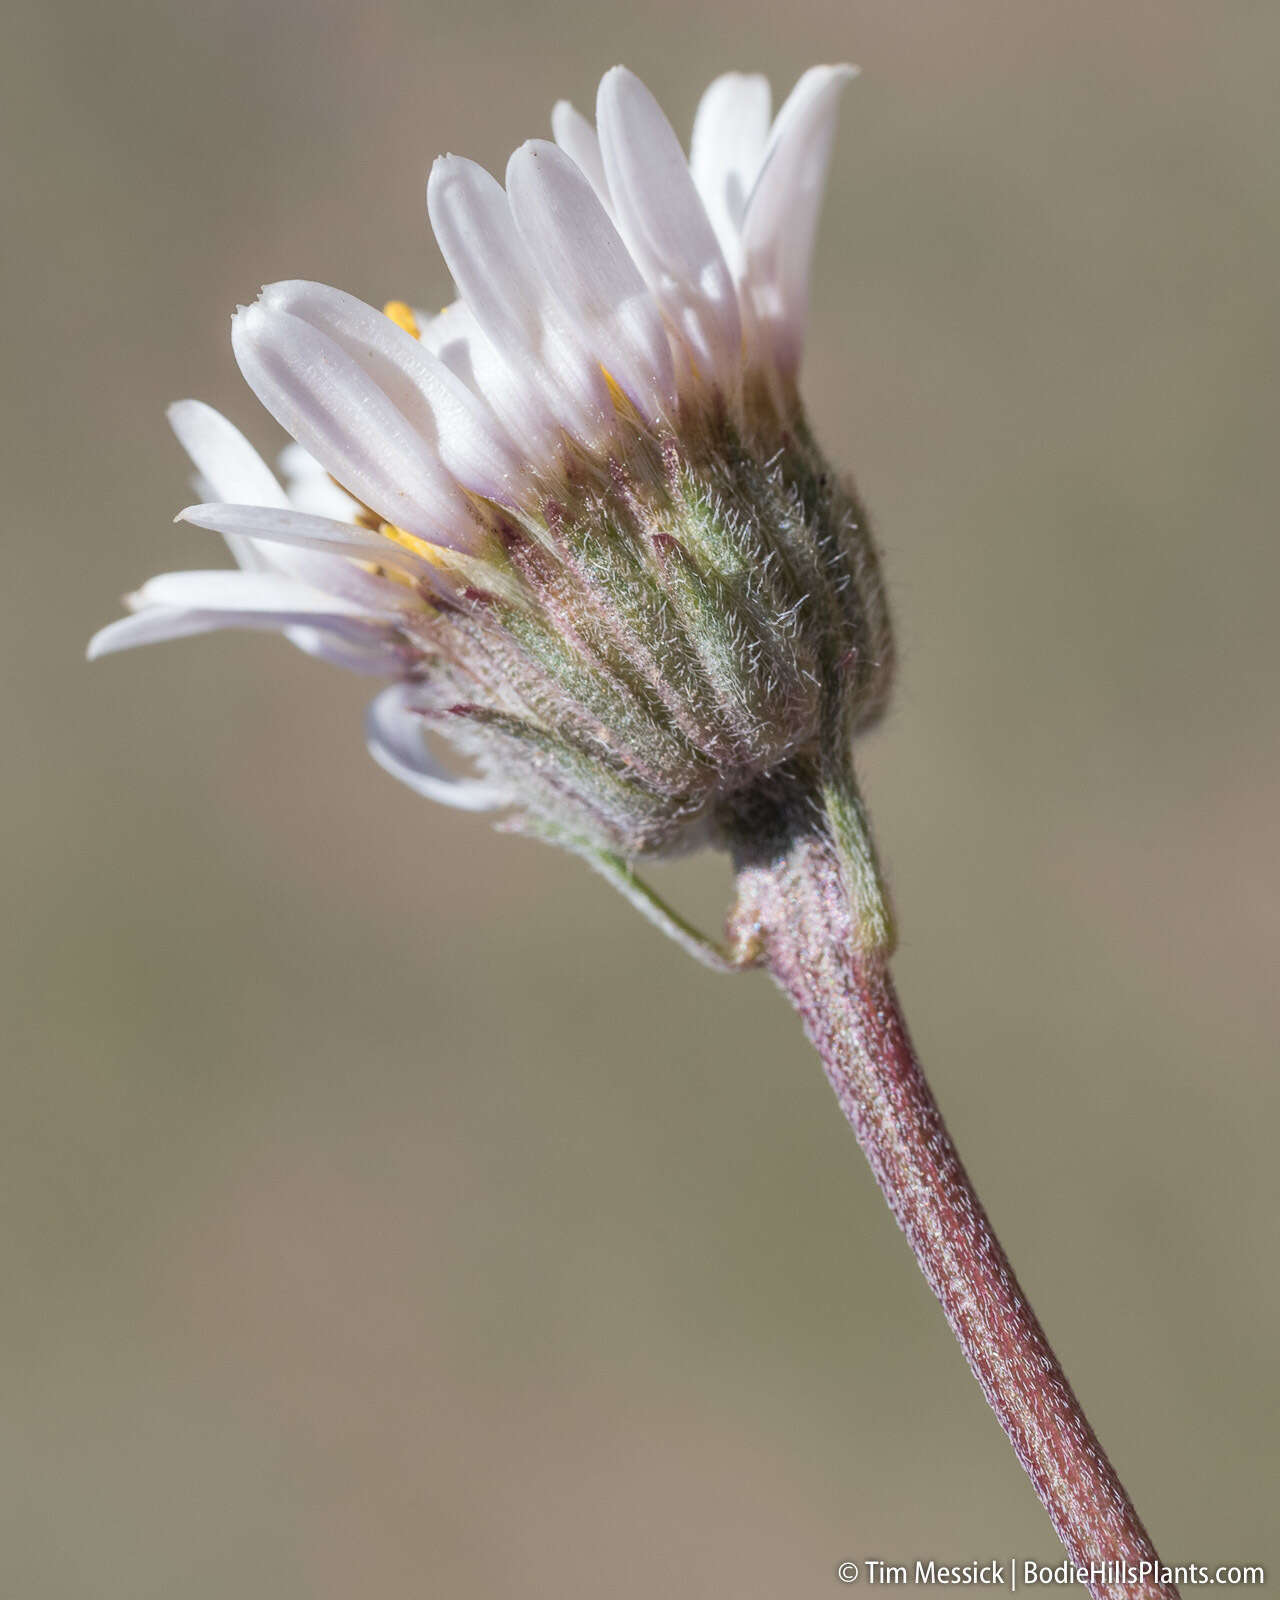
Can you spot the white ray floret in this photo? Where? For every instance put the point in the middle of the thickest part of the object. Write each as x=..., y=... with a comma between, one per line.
x=454, y=423
x=456, y=338
x=781, y=219
x=178, y=603
x=303, y=530
x=511, y=299
x=730, y=132
x=568, y=234
x=666, y=227
x=333, y=404
x=325, y=603
x=394, y=737
x=579, y=141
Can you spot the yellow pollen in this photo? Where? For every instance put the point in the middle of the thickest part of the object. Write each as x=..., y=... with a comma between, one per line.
x=411, y=542
x=615, y=391
x=403, y=317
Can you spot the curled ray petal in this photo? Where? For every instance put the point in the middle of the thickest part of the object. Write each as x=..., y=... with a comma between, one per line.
x=509, y=298
x=666, y=227
x=592, y=274
x=456, y=339
x=730, y=132
x=580, y=142
x=394, y=735
x=781, y=223
x=330, y=404
x=450, y=416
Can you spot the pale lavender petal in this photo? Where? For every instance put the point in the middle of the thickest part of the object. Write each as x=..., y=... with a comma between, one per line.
x=319, y=534
x=666, y=227
x=510, y=299
x=175, y=604
x=461, y=428
x=394, y=734
x=577, y=138
x=456, y=339
x=153, y=626
x=782, y=214
x=730, y=132
x=254, y=594
x=222, y=455
x=593, y=276
x=330, y=404
x=227, y=466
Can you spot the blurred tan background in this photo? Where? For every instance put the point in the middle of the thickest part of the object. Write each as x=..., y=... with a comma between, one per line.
x=386, y=1210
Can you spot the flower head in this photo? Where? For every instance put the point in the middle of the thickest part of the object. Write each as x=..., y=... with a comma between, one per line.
x=577, y=517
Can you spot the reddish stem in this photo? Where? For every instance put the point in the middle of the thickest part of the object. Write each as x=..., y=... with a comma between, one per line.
x=794, y=902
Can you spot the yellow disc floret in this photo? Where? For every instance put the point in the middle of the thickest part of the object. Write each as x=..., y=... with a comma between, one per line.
x=403, y=317
x=433, y=553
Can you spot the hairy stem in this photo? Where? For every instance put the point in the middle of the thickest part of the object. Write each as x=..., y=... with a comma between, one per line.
x=795, y=905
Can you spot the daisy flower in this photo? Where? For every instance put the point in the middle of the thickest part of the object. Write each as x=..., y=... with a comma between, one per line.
x=577, y=517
